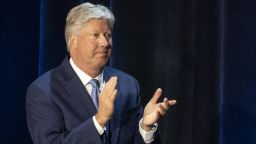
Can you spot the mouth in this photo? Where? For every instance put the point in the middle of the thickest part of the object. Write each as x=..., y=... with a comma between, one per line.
x=102, y=54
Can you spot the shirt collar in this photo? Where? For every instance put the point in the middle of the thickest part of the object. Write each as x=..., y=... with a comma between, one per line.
x=84, y=77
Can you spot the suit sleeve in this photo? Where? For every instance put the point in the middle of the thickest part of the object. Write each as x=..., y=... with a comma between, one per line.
x=46, y=123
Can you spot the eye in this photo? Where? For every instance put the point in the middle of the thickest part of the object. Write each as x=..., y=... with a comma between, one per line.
x=95, y=35
x=108, y=35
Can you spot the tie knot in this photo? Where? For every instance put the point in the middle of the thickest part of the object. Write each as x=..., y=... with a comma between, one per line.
x=94, y=83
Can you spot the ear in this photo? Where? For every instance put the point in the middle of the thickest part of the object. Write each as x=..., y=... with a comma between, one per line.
x=73, y=41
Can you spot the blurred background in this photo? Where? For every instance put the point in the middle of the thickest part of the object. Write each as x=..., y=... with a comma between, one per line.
x=201, y=52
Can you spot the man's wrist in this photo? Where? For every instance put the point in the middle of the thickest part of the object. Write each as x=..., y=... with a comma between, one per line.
x=100, y=120
x=147, y=127
x=148, y=136
x=98, y=127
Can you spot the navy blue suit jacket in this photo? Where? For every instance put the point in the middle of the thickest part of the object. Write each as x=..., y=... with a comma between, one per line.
x=59, y=109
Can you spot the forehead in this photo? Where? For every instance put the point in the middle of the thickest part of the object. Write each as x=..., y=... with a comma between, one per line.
x=96, y=24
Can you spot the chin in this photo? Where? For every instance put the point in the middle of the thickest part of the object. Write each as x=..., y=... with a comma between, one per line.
x=102, y=63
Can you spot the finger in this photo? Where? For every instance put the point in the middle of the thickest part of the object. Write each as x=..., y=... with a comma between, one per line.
x=110, y=86
x=172, y=102
x=113, y=95
x=156, y=95
x=166, y=101
x=112, y=82
x=165, y=104
x=161, y=109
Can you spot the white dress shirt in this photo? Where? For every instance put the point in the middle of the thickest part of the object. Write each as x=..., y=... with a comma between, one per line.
x=85, y=78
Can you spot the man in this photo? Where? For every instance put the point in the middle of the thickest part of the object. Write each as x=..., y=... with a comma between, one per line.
x=85, y=102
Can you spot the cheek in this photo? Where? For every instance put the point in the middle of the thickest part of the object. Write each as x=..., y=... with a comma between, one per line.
x=88, y=51
x=83, y=47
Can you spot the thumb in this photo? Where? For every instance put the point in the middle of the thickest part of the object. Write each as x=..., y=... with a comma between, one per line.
x=156, y=95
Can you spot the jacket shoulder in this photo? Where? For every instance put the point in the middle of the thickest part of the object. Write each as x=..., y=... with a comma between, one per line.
x=119, y=73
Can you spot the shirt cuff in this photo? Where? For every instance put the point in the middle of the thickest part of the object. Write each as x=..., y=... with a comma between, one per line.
x=98, y=127
x=148, y=136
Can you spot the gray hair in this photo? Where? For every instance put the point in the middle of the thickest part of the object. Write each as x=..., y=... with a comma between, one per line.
x=80, y=14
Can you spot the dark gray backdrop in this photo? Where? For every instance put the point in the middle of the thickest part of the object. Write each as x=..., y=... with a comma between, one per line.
x=201, y=52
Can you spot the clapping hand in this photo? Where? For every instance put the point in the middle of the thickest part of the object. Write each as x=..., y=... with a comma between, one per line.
x=106, y=102
x=154, y=111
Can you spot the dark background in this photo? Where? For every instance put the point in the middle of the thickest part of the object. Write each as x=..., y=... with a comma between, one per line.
x=201, y=52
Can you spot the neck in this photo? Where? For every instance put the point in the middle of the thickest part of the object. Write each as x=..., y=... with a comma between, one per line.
x=91, y=71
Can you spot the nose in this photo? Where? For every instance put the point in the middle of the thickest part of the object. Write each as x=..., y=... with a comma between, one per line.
x=104, y=41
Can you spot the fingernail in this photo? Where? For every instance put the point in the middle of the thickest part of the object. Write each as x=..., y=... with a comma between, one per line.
x=114, y=77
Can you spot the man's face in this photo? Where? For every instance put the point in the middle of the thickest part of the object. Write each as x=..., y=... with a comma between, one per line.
x=91, y=49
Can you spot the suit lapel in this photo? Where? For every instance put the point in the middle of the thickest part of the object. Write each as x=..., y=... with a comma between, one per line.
x=77, y=91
